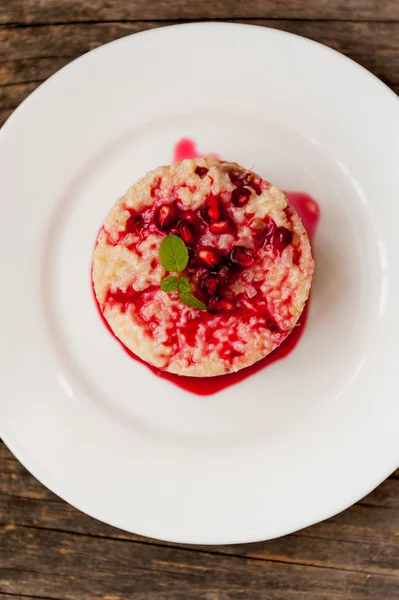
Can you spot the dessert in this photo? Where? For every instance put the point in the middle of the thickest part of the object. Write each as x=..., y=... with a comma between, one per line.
x=202, y=268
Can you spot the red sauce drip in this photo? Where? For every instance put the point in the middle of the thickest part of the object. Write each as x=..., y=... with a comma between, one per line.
x=186, y=148
x=309, y=211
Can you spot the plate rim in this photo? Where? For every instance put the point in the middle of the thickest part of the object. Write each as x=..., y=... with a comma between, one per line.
x=191, y=24
x=4, y=131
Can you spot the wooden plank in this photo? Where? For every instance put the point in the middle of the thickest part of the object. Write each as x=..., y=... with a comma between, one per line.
x=12, y=95
x=14, y=597
x=5, y=453
x=53, y=11
x=367, y=541
x=24, y=597
x=36, y=52
x=60, y=41
x=4, y=114
x=71, y=566
x=386, y=495
x=15, y=480
x=359, y=524
x=27, y=70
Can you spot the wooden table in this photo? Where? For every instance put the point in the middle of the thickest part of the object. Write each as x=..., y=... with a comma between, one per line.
x=49, y=550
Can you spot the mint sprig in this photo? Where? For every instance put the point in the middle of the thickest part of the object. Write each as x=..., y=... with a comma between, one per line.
x=169, y=284
x=184, y=285
x=188, y=298
x=173, y=255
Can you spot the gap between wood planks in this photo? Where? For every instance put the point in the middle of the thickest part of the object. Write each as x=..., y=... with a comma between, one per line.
x=208, y=552
x=10, y=595
x=226, y=19
x=205, y=551
x=36, y=82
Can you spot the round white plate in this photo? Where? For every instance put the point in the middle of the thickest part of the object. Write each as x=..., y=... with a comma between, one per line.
x=290, y=445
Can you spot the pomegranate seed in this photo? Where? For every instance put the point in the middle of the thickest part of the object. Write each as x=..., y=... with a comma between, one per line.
x=209, y=284
x=201, y=272
x=240, y=179
x=222, y=226
x=201, y=171
x=255, y=185
x=196, y=223
x=282, y=238
x=236, y=178
x=192, y=256
x=211, y=211
x=209, y=257
x=240, y=196
x=217, y=304
x=134, y=223
x=241, y=257
x=187, y=232
x=165, y=217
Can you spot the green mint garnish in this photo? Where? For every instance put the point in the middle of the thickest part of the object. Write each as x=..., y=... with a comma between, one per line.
x=173, y=254
x=191, y=300
x=169, y=284
x=184, y=285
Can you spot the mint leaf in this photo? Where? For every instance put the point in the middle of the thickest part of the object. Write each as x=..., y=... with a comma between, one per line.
x=173, y=253
x=169, y=284
x=184, y=285
x=191, y=300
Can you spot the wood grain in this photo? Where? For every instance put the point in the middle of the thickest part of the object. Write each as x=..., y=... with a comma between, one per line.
x=31, y=54
x=48, y=562
x=51, y=551
x=39, y=51
x=55, y=11
x=15, y=597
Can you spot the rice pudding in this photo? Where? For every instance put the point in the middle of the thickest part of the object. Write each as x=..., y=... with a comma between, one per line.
x=249, y=268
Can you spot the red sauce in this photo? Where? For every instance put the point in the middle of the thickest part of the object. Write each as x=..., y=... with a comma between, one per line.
x=186, y=148
x=308, y=209
x=205, y=386
x=309, y=212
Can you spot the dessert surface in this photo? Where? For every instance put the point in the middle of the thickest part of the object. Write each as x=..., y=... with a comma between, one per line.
x=249, y=268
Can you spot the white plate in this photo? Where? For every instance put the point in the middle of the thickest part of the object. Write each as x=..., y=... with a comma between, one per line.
x=293, y=444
